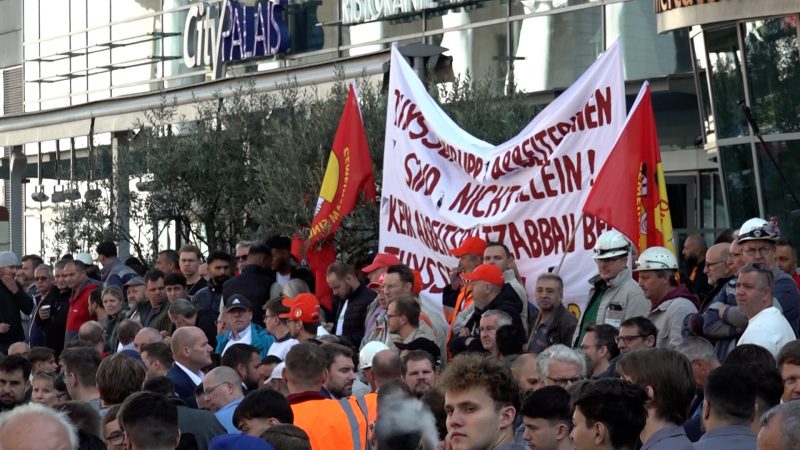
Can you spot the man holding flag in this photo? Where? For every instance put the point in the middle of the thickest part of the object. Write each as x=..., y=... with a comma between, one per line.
x=630, y=194
x=349, y=173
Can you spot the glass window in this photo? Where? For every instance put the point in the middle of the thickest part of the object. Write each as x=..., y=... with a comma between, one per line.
x=699, y=53
x=479, y=53
x=552, y=51
x=773, y=70
x=305, y=34
x=727, y=88
x=740, y=182
x=777, y=199
x=647, y=54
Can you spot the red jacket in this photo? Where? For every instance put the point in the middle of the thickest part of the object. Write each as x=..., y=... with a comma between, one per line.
x=79, y=306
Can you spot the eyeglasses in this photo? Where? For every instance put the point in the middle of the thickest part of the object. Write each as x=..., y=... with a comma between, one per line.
x=761, y=250
x=711, y=264
x=241, y=257
x=41, y=278
x=209, y=391
x=116, y=438
x=628, y=339
x=564, y=381
x=389, y=316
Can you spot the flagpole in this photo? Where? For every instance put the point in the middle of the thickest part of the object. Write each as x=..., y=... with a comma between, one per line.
x=571, y=242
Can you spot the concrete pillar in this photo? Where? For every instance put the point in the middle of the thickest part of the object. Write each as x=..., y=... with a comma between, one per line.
x=121, y=183
x=15, y=215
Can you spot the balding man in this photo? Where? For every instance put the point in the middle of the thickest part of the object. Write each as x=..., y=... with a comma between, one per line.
x=386, y=367
x=18, y=348
x=526, y=371
x=222, y=389
x=146, y=335
x=94, y=333
x=54, y=431
x=694, y=257
x=717, y=272
x=191, y=352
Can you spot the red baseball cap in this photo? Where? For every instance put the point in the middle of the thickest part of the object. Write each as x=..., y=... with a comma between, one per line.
x=488, y=273
x=304, y=307
x=469, y=246
x=381, y=260
x=377, y=284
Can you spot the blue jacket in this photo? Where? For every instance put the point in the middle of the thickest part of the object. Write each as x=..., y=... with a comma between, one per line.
x=117, y=274
x=259, y=339
x=184, y=386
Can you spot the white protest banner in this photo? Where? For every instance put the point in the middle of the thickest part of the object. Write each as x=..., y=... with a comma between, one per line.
x=441, y=184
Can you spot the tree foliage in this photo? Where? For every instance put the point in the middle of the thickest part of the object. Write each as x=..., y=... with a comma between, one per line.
x=250, y=164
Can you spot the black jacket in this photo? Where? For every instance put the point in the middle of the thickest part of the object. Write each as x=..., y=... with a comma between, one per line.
x=254, y=283
x=10, y=307
x=507, y=301
x=560, y=331
x=55, y=326
x=356, y=313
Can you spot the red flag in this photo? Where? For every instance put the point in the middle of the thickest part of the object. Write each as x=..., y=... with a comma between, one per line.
x=348, y=174
x=630, y=192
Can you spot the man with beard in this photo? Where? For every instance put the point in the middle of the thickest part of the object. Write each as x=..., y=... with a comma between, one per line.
x=53, y=309
x=694, y=257
x=244, y=359
x=341, y=371
x=419, y=371
x=219, y=271
x=254, y=281
x=134, y=291
x=351, y=301
x=239, y=318
x=14, y=373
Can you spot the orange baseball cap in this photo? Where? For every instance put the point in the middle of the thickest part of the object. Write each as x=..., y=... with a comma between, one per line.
x=488, y=273
x=417, y=287
x=381, y=260
x=304, y=307
x=469, y=246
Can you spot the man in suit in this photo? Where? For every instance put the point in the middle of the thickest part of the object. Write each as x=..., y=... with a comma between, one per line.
x=191, y=352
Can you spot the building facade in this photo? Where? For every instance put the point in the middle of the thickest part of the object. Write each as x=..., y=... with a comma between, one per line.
x=94, y=67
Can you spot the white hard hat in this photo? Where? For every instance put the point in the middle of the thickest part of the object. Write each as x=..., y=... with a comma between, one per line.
x=368, y=352
x=757, y=229
x=9, y=259
x=611, y=244
x=656, y=258
x=84, y=258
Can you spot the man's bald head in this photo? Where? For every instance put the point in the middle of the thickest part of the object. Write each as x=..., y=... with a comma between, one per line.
x=223, y=374
x=717, y=262
x=54, y=431
x=386, y=366
x=18, y=348
x=526, y=372
x=146, y=336
x=190, y=348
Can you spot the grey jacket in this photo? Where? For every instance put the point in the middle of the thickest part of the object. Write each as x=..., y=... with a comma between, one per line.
x=622, y=300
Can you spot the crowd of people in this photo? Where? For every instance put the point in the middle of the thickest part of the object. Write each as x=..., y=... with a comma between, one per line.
x=235, y=351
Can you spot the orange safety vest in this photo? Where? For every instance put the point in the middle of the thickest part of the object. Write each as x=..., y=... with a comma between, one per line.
x=367, y=404
x=463, y=302
x=331, y=424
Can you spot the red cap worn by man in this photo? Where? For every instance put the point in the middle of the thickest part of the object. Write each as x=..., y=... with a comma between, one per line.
x=379, y=265
x=303, y=316
x=489, y=292
x=457, y=296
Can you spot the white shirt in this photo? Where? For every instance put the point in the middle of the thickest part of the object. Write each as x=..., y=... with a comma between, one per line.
x=197, y=378
x=282, y=279
x=768, y=329
x=340, y=320
x=280, y=349
x=243, y=338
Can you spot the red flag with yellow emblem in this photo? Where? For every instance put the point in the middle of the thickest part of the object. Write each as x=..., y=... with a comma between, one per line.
x=348, y=175
x=630, y=192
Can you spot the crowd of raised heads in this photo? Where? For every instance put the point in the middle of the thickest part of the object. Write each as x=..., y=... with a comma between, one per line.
x=212, y=350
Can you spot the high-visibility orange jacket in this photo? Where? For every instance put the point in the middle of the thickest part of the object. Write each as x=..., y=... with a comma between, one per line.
x=331, y=424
